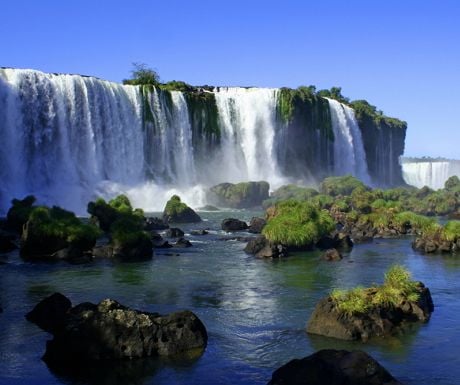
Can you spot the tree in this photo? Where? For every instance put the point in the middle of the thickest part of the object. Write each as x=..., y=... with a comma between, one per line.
x=142, y=74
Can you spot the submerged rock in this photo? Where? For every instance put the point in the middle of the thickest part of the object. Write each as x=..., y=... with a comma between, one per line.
x=332, y=255
x=182, y=242
x=379, y=321
x=199, y=232
x=233, y=224
x=109, y=330
x=333, y=367
x=174, y=232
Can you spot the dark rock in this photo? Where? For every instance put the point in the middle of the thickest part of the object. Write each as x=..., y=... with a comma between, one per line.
x=261, y=247
x=326, y=243
x=109, y=330
x=68, y=253
x=233, y=224
x=199, y=232
x=103, y=251
x=380, y=321
x=332, y=255
x=19, y=212
x=333, y=367
x=208, y=208
x=49, y=314
x=158, y=241
x=7, y=242
x=178, y=212
x=256, y=225
x=182, y=242
x=343, y=241
x=140, y=250
x=174, y=232
x=239, y=196
x=154, y=223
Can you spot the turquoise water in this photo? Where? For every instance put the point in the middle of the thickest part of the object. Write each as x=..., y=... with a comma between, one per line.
x=255, y=310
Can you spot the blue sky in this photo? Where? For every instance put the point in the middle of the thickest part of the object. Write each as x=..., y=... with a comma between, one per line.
x=402, y=56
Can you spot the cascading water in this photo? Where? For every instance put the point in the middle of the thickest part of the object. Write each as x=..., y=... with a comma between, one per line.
x=248, y=121
x=349, y=155
x=63, y=134
x=69, y=138
x=432, y=173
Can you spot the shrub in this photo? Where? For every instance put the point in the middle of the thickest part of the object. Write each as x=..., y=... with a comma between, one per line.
x=451, y=231
x=397, y=287
x=340, y=185
x=298, y=224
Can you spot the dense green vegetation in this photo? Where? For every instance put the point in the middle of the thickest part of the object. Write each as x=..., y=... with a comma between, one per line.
x=397, y=287
x=340, y=185
x=142, y=75
x=297, y=224
x=290, y=191
x=118, y=218
x=50, y=229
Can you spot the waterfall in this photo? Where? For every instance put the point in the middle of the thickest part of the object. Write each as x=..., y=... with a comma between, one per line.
x=349, y=155
x=248, y=122
x=68, y=139
x=63, y=134
x=429, y=173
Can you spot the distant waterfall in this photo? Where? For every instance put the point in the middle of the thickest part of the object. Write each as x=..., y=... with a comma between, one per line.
x=429, y=173
x=248, y=122
x=349, y=155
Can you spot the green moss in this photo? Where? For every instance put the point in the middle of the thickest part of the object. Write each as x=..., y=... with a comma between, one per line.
x=298, y=224
x=58, y=224
x=203, y=112
x=397, y=287
x=340, y=185
x=174, y=206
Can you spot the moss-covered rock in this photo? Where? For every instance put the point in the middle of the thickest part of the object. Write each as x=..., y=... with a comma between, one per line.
x=297, y=224
x=289, y=191
x=240, y=195
x=125, y=226
x=364, y=313
x=49, y=230
x=178, y=212
x=19, y=212
x=340, y=185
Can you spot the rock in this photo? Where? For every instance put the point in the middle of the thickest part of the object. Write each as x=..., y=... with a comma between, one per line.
x=380, y=321
x=154, y=223
x=182, y=242
x=103, y=251
x=178, y=212
x=158, y=242
x=343, y=241
x=333, y=367
x=68, y=253
x=111, y=331
x=7, y=242
x=261, y=247
x=256, y=225
x=138, y=249
x=326, y=243
x=208, y=208
x=239, y=196
x=233, y=224
x=332, y=255
x=49, y=314
x=199, y=232
x=174, y=232
x=19, y=212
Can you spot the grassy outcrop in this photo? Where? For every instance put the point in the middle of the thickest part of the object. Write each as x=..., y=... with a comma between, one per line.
x=239, y=195
x=48, y=230
x=297, y=224
x=178, y=212
x=340, y=185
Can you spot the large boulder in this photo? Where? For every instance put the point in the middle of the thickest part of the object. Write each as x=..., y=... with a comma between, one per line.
x=233, y=224
x=256, y=225
x=19, y=212
x=49, y=314
x=380, y=320
x=178, y=212
x=154, y=223
x=109, y=330
x=240, y=195
x=333, y=367
x=261, y=247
